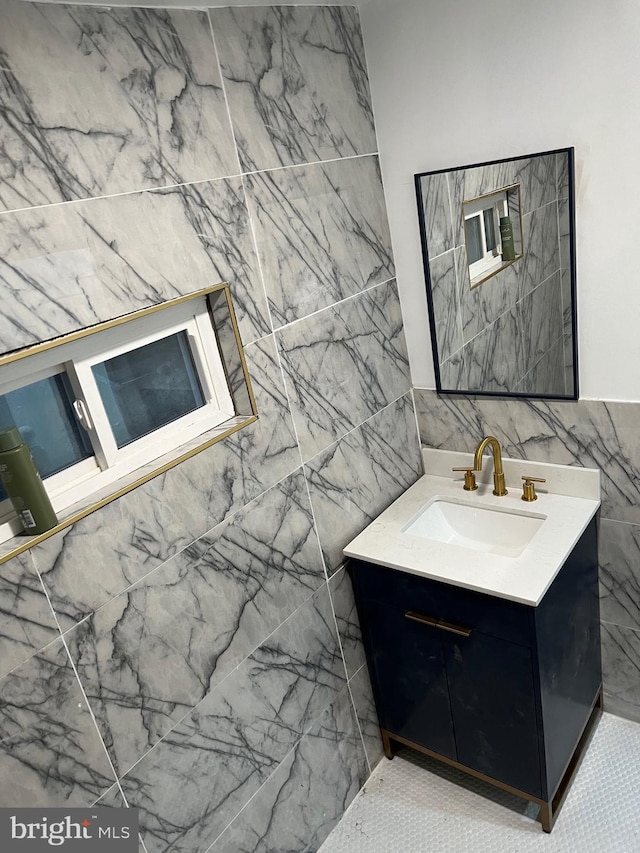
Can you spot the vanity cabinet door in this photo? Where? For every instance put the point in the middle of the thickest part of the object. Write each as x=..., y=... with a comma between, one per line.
x=409, y=676
x=493, y=706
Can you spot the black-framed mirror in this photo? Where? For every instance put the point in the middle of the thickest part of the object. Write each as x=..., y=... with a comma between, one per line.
x=498, y=244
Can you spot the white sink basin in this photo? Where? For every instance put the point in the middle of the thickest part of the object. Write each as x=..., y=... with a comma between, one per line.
x=495, y=531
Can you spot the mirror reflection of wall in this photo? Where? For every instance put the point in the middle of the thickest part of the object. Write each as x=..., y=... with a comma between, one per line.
x=498, y=246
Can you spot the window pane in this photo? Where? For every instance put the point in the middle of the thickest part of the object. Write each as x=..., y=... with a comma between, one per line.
x=146, y=388
x=490, y=228
x=473, y=237
x=44, y=415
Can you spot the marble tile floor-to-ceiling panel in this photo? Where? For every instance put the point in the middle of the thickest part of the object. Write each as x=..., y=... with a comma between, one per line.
x=360, y=687
x=353, y=480
x=296, y=83
x=223, y=674
x=618, y=552
x=344, y=364
x=322, y=234
x=26, y=621
x=344, y=607
x=589, y=433
x=64, y=267
x=328, y=765
x=621, y=670
x=148, y=656
x=231, y=743
x=61, y=61
x=50, y=751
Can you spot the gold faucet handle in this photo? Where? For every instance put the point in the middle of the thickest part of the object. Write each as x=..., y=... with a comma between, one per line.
x=529, y=489
x=470, y=484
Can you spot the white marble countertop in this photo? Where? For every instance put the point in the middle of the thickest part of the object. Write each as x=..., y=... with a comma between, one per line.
x=568, y=509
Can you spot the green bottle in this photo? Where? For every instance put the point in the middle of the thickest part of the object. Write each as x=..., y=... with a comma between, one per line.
x=506, y=237
x=22, y=483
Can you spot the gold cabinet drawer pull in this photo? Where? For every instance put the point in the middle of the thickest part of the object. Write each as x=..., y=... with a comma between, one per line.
x=438, y=623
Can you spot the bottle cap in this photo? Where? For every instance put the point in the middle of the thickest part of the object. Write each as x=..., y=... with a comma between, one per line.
x=10, y=439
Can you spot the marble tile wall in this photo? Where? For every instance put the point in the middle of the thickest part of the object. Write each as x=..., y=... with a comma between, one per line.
x=489, y=336
x=192, y=648
x=590, y=433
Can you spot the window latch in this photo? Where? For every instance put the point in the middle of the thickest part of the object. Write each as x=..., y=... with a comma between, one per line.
x=83, y=415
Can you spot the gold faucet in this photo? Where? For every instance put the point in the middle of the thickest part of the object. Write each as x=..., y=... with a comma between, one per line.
x=498, y=474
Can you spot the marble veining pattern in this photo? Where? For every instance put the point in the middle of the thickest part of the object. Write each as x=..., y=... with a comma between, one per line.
x=112, y=798
x=26, y=621
x=542, y=256
x=50, y=751
x=621, y=666
x=231, y=743
x=296, y=83
x=483, y=305
x=344, y=607
x=163, y=516
x=360, y=686
x=153, y=73
x=322, y=234
x=540, y=317
x=353, y=480
x=619, y=564
x=120, y=188
x=327, y=766
x=445, y=295
x=66, y=267
x=493, y=359
x=151, y=654
x=499, y=322
x=590, y=433
x=536, y=177
x=440, y=222
x=549, y=375
x=344, y=365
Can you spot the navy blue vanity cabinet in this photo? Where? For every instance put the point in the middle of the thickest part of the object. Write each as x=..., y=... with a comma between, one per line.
x=412, y=693
x=502, y=690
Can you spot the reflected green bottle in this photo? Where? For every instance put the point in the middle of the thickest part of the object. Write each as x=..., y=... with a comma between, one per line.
x=506, y=237
x=22, y=483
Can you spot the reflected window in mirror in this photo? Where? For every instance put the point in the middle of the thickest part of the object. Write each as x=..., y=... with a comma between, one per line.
x=498, y=244
x=493, y=233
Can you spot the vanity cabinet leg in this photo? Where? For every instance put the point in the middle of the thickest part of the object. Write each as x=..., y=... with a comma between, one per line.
x=546, y=816
x=387, y=745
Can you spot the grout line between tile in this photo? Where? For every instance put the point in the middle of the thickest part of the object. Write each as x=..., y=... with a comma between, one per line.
x=224, y=93
x=333, y=305
x=623, y=627
x=346, y=672
x=83, y=692
x=225, y=678
x=280, y=763
x=232, y=514
x=620, y=521
x=163, y=187
x=359, y=426
x=507, y=310
x=415, y=416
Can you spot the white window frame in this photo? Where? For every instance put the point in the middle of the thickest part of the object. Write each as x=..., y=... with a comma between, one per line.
x=491, y=260
x=77, y=357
